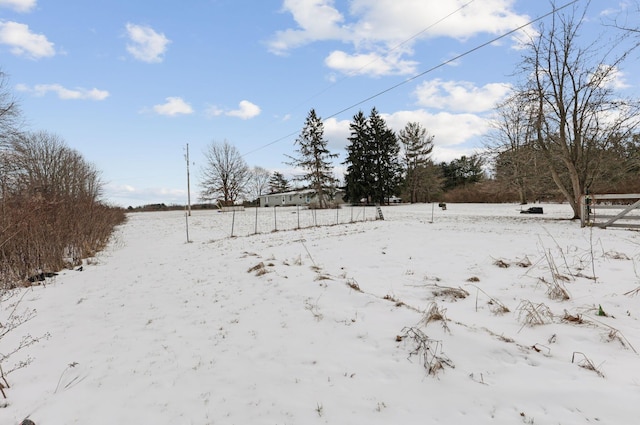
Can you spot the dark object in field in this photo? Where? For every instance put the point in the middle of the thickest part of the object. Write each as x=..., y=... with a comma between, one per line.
x=442, y=205
x=532, y=210
x=40, y=277
x=27, y=422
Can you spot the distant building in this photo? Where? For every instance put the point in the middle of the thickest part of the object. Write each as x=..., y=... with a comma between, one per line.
x=302, y=197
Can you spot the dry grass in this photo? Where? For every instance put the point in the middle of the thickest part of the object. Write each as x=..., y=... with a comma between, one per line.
x=259, y=269
x=530, y=314
x=448, y=292
x=434, y=313
x=351, y=283
x=585, y=363
x=495, y=306
x=429, y=350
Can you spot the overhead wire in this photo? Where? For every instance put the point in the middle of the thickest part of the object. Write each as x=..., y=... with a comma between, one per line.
x=429, y=70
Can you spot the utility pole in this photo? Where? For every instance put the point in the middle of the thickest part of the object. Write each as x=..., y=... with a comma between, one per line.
x=188, y=185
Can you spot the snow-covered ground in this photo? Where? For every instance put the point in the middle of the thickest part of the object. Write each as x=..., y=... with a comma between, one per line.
x=473, y=315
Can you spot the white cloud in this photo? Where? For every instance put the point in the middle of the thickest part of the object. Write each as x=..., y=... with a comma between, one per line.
x=316, y=19
x=245, y=111
x=613, y=77
x=460, y=96
x=213, y=111
x=23, y=42
x=65, y=93
x=19, y=5
x=146, y=44
x=389, y=26
x=370, y=63
x=173, y=106
x=453, y=133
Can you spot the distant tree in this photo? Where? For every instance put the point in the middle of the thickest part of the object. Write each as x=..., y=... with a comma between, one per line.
x=462, y=171
x=518, y=165
x=225, y=174
x=373, y=167
x=258, y=183
x=313, y=158
x=278, y=183
x=417, y=147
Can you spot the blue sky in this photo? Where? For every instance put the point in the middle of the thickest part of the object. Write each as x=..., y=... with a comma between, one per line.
x=129, y=83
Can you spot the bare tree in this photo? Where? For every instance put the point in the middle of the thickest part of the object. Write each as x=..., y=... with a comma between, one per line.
x=577, y=113
x=11, y=121
x=518, y=164
x=258, y=182
x=45, y=166
x=225, y=174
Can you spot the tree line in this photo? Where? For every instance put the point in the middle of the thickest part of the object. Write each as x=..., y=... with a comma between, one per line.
x=564, y=131
x=51, y=213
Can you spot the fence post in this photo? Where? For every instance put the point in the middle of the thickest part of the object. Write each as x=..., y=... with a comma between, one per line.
x=186, y=217
x=233, y=220
x=256, y=226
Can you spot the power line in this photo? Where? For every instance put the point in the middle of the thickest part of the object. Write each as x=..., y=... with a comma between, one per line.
x=421, y=74
x=397, y=46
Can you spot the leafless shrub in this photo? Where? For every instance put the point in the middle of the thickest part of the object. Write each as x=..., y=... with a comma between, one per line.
x=531, y=314
x=429, y=350
x=13, y=316
x=555, y=290
x=473, y=279
x=434, y=313
x=585, y=363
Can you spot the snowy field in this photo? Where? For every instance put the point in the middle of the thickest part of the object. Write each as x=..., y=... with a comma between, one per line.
x=473, y=315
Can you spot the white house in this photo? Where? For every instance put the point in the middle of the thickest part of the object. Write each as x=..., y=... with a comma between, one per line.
x=302, y=197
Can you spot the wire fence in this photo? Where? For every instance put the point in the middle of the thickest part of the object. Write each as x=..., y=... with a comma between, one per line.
x=251, y=221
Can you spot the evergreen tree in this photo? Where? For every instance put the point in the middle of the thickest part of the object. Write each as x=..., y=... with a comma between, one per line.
x=462, y=171
x=373, y=167
x=314, y=159
x=358, y=176
x=278, y=183
x=384, y=149
x=417, y=147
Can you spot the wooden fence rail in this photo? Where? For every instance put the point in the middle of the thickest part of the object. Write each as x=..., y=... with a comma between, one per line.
x=610, y=210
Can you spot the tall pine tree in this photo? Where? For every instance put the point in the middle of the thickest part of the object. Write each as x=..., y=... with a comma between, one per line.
x=315, y=159
x=278, y=183
x=417, y=146
x=373, y=167
x=384, y=149
x=358, y=178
